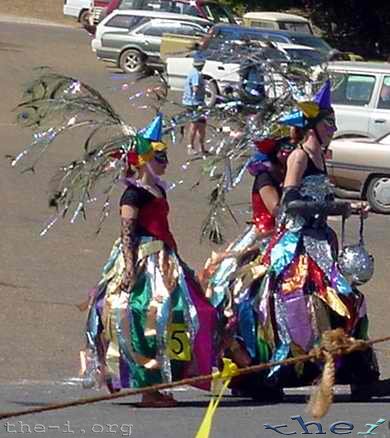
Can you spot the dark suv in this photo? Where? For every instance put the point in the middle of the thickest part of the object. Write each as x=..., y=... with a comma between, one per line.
x=226, y=32
x=132, y=39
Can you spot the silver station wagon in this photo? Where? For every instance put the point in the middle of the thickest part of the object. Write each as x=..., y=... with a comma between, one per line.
x=361, y=98
x=132, y=39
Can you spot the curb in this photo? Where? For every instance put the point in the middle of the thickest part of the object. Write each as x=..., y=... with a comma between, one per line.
x=34, y=21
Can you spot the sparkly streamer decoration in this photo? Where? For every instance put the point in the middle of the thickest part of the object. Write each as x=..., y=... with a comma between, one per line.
x=268, y=84
x=54, y=104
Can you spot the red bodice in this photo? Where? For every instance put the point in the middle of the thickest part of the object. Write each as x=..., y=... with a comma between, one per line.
x=262, y=218
x=153, y=218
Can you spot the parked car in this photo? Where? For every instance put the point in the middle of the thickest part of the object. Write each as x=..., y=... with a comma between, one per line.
x=361, y=98
x=132, y=39
x=207, y=9
x=223, y=77
x=278, y=21
x=360, y=168
x=226, y=32
x=78, y=9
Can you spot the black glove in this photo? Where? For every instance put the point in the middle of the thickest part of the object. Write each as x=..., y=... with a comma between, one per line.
x=289, y=194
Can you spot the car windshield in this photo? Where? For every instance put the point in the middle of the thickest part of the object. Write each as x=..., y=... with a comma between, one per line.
x=129, y=4
x=310, y=41
x=294, y=26
x=153, y=5
x=217, y=13
x=227, y=35
x=309, y=57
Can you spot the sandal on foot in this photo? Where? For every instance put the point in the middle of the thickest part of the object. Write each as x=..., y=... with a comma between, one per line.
x=161, y=403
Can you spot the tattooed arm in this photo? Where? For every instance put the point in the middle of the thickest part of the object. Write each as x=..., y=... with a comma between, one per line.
x=129, y=244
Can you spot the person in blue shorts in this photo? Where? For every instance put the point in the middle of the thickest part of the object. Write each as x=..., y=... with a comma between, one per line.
x=193, y=98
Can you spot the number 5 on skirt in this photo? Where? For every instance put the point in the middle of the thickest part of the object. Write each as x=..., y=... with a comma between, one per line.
x=178, y=342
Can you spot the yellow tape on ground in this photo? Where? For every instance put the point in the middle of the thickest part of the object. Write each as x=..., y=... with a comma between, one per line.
x=230, y=370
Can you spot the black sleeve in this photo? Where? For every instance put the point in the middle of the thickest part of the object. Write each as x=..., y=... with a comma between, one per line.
x=133, y=196
x=262, y=180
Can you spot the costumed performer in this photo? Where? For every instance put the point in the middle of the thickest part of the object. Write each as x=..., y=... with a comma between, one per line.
x=239, y=324
x=303, y=292
x=149, y=320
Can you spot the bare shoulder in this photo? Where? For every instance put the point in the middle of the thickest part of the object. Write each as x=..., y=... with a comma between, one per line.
x=297, y=156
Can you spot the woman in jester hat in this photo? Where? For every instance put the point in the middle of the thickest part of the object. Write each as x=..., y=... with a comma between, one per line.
x=268, y=166
x=149, y=320
x=303, y=292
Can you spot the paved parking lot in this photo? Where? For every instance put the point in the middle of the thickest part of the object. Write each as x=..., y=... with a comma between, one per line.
x=42, y=279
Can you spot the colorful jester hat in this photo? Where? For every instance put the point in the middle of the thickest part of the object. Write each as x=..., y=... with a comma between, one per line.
x=309, y=113
x=147, y=142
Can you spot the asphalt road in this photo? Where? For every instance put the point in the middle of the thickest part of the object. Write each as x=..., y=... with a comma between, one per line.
x=42, y=279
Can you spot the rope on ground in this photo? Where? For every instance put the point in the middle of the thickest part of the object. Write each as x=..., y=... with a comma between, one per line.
x=333, y=343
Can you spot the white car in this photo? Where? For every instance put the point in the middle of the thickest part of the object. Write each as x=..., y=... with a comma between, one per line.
x=222, y=76
x=361, y=98
x=78, y=9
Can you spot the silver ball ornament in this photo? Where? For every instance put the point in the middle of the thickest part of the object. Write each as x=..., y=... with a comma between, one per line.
x=356, y=264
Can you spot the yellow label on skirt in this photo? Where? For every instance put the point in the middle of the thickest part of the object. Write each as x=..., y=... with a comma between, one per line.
x=179, y=347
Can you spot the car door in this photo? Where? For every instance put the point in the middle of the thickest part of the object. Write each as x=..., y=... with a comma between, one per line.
x=353, y=102
x=379, y=123
x=149, y=37
x=116, y=33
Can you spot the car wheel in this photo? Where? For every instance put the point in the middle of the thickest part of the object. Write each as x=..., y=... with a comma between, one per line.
x=211, y=93
x=378, y=194
x=84, y=18
x=132, y=61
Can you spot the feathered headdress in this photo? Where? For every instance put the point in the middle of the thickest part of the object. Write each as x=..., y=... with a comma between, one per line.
x=54, y=104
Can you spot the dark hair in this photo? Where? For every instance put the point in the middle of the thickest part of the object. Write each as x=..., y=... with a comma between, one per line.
x=284, y=143
x=298, y=135
x=323, y=114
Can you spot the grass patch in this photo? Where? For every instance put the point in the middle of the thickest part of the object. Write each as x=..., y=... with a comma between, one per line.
x=51, y=10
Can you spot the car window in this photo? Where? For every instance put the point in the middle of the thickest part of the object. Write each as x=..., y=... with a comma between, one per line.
x=191, y=30
x=309, y=57
x=129, y=4
x=235, y=35
x=311, y=41
x=158, y=29
x=163, y=6
x=352, y=89
x=263, y=24
x=276, y=38
x=189, y=9
x=274, y=54
x=124, y=21
x=293, y=26
x=217, y=13
x=384, y=95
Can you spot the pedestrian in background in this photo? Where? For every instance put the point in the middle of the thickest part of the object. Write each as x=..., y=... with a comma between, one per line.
x=193, y=98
